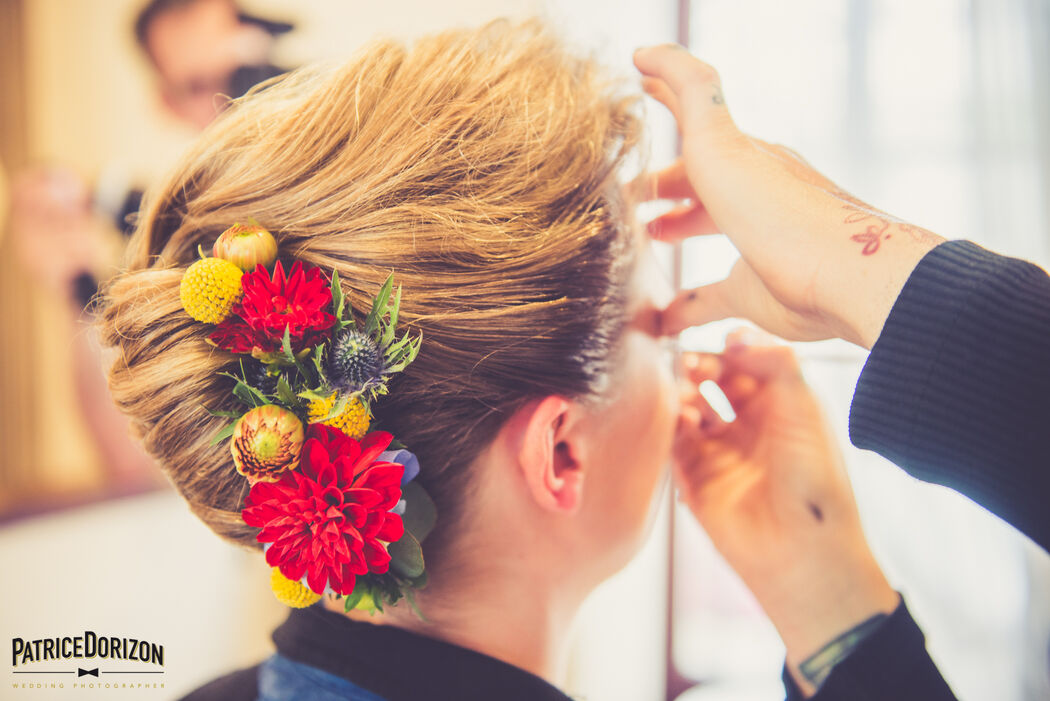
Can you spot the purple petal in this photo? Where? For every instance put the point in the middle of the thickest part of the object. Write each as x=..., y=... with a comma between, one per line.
x=402, y=457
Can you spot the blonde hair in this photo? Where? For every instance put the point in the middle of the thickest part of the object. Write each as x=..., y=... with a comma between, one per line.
x=480, y=166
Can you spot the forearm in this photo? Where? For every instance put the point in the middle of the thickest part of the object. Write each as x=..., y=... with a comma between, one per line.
x=819, y=600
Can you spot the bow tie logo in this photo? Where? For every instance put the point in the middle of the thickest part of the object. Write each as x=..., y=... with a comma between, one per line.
x=87, y=672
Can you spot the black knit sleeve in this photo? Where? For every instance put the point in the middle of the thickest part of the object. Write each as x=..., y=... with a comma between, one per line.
x=889, y=665
x=956, y=389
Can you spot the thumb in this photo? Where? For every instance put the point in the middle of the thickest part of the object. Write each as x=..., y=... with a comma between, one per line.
x=691, y=88
x=695, y=307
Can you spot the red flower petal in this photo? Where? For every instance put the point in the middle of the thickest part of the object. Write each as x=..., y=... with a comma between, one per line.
x=385, y=480
x=347, y=581
x=392, y=529
x=371, y=446
x=377, y=556
x=317, y=576
x=368, y=498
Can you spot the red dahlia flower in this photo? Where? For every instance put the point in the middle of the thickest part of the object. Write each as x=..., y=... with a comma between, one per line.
x=300, y=302
x=330, y=518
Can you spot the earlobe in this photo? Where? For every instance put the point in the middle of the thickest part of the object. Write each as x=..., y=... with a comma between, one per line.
x=548, y=455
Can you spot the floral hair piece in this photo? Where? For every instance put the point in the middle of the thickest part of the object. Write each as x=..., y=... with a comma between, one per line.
x=335, y=499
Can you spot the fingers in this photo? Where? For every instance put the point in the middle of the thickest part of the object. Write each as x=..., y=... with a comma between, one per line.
x=697, y=368
x=773, y=361
x=695, y=307
x=698, y=420
x=662, y=93
x=670, y=183
x=682, y=223
x=694, y=84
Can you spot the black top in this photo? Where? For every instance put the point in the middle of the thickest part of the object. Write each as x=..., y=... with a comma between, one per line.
x=956, y=391
x=392, y=662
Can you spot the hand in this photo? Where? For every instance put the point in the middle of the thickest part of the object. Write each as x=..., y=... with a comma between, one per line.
x=53, y=229
x=815, y=262
x=771, y=490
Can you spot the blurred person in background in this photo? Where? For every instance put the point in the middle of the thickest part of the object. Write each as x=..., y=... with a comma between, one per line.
x=202, y=53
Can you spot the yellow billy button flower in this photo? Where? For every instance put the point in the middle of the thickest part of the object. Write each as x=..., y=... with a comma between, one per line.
x=294, y=594
x=353, y=421
x=209, y=289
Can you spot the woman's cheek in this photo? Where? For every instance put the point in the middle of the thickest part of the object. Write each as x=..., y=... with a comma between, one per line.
x=656, y=403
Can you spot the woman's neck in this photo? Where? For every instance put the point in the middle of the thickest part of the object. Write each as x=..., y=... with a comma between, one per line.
x=521, y=620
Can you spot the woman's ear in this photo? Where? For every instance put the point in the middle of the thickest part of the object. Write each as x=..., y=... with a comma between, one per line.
x=548, y=454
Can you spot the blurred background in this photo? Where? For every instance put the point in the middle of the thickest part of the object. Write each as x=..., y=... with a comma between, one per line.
x=934, y=110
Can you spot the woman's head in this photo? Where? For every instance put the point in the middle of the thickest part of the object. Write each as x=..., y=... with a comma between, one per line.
x=481, y=167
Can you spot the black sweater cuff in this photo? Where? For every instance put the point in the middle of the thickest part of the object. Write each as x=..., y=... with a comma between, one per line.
x=891, y=664
x=956, y=389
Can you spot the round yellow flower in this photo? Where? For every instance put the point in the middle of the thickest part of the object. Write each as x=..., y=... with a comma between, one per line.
x=353, y=421
x=209, y=289
x=289, y=593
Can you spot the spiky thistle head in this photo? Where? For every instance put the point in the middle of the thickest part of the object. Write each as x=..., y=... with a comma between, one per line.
x=354, y=361
x=361, y=358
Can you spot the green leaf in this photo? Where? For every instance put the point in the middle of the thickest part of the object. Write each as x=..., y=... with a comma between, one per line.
x=285, y=393
x=391, y=325
x=355, y=596
x=406, y=556
x=318, y=360
x=338, y=408
x=337, y=296
x=225, y=433
x=223, y=414
x=420, y=512
x=313, y=395
x=418, y=582
x=379, y=306
x=411, y=597
x=286, y=343
x=287, y=356
x=249, y=395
